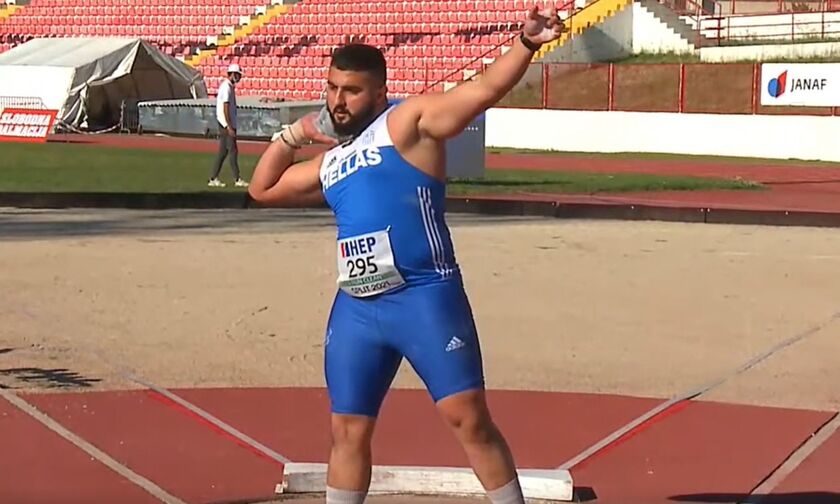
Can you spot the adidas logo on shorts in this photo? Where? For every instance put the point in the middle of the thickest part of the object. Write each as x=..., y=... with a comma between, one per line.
x=454, y=344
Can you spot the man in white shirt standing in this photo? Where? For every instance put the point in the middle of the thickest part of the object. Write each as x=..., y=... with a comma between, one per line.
x=226, y=118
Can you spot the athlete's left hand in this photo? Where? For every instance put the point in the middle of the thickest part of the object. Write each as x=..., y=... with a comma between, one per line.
x=543, y=26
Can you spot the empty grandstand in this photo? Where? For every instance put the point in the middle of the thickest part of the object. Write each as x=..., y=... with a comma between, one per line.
x=284, y=47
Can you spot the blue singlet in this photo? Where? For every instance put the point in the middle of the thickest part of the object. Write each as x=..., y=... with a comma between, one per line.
x=400, y=287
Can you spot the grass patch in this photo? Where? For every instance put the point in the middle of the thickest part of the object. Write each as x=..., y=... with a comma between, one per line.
x=656, y=58
x=79, y=168
x=57, y=167
x=517, y=181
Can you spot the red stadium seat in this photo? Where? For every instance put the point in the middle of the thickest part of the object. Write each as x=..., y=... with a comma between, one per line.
x=278, y=49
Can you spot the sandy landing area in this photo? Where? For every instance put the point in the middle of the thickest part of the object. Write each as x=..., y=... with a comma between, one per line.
x=240, y=298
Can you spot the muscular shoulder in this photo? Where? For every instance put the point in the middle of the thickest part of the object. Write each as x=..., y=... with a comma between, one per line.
x=422, y=151
x=410, y=110
x=404, y=120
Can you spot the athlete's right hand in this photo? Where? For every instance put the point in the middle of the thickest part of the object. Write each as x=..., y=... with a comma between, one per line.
x=306, y=128
x=543, y=26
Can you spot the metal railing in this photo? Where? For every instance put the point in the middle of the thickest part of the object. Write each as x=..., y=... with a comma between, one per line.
x=792, y=27
x=567, y=11
x=753, y=7
x=27, y=102
x=740, y=22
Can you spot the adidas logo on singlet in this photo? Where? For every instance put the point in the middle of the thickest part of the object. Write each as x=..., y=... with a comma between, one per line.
x=454, y=344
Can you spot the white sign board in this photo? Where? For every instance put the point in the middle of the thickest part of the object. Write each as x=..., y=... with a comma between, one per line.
x=802, y=84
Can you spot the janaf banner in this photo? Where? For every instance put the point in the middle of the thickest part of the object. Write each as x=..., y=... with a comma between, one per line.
x=802, y=84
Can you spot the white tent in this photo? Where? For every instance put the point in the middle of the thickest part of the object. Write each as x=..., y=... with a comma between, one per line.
x=87, y=79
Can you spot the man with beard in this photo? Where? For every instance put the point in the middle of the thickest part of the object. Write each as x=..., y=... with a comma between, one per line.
x=400, y=289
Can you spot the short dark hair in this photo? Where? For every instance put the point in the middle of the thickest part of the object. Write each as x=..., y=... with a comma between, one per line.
x=361, y=58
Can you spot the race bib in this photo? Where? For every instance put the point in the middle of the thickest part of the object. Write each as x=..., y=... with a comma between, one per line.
x=366, y=265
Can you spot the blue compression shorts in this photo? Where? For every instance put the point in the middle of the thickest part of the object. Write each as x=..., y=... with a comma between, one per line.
x=430, y=325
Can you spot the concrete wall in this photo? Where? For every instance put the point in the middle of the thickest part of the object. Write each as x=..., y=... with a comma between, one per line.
x=782, y=137
x=800, y=25
x=759, y=7
x=764, y=52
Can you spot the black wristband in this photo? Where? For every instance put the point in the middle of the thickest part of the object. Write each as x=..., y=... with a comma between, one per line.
x=527, y=43
x=287, y=142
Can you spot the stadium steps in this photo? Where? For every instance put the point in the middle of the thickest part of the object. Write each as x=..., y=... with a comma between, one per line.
x=673, y=21
x=585, y=18
x=262, y=16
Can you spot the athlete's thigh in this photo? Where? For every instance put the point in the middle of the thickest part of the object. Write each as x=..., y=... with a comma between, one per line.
x=358, y=363
x=435, y=330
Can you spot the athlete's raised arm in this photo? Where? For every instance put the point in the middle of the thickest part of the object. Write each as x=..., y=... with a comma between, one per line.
x=444, y=115
x=280, y=182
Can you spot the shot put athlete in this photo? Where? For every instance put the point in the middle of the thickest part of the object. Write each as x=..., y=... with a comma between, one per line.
x=400, y=291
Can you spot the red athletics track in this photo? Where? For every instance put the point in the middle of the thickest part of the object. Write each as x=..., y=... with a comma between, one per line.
x=695, y=452
x=793, y=187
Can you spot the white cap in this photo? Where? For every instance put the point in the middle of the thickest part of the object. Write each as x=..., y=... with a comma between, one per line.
x=234, y=68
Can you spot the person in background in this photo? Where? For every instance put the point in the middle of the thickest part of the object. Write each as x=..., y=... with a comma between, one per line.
x=226, y=118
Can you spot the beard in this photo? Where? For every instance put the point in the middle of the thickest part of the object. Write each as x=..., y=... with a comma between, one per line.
x=356, y=122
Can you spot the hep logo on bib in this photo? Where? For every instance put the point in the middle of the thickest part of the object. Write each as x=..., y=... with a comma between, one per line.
x=366, y=265
x=357, y=246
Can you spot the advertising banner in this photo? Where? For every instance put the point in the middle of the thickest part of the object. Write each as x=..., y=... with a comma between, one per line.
x=25, y=125
x=800, y=84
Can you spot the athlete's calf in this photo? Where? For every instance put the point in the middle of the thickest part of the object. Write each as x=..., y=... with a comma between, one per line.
x=349, y=472
x=489, y=455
